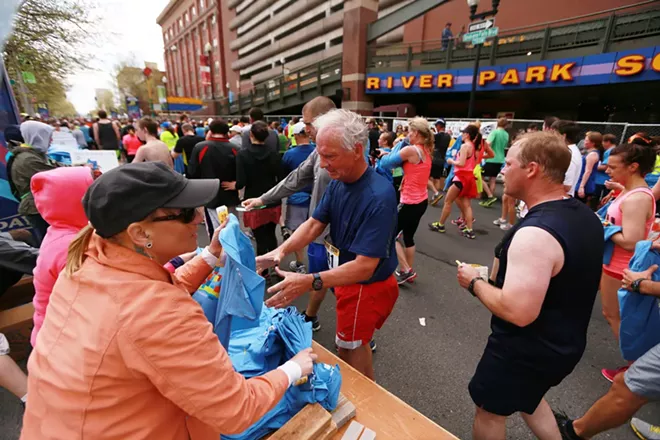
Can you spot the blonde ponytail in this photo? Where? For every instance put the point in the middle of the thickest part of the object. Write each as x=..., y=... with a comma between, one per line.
x=77, y=250
x=421, y=126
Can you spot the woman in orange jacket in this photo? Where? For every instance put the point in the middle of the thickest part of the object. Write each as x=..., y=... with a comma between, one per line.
x=124, y=351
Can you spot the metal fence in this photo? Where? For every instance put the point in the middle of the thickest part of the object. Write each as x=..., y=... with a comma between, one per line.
x=622, y=130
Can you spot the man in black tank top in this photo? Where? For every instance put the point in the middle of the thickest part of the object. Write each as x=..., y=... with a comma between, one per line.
x=541, y=296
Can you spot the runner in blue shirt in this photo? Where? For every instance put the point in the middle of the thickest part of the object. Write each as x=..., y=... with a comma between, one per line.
x=360, y=205
x=297, y=205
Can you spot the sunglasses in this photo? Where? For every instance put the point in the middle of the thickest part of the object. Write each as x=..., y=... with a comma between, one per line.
x=186, y=215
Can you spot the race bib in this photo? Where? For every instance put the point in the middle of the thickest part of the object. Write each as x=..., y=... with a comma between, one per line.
x=332, y=254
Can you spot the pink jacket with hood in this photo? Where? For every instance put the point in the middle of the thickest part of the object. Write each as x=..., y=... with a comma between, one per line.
x=58, y=196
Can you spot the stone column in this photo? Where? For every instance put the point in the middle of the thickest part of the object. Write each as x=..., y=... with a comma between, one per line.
x=358, y=14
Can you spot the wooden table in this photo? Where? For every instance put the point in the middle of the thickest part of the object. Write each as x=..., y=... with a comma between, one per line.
x=378, y=409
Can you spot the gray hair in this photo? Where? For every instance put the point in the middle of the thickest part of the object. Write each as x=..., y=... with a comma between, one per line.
x=351, y=126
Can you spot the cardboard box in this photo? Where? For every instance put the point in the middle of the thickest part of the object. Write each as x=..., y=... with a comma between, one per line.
x=16, y=324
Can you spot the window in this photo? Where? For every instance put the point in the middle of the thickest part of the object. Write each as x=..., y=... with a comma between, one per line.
x=167, y=37
x=201, y=4
x=215, y=42
x=180, y=23
x=213, y=19
x=187, y=17
x=204, y=25
x=217, y=65
x=194, y=11
x=171, y=33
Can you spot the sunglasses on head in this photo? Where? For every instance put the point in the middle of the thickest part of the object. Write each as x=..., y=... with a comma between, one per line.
x=186, y=215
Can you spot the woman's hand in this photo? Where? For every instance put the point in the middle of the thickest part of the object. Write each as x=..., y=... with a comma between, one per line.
x=450, y=161
x=630, y=276
x=215, y=248
x=581, y=193
x=612, y=185
x=305, y=359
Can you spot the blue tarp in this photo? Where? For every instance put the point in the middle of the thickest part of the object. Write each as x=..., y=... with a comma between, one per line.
x=259, y=339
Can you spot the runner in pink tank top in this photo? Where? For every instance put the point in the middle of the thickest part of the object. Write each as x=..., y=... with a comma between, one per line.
x=414, y=195
x=464, y=185
x=634, y=211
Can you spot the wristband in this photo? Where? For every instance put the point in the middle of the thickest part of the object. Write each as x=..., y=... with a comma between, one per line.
x=292, y=371
x=210, y=259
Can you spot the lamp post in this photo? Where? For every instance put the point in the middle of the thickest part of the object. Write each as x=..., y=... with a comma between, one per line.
x=473, y=4
x=208, y=49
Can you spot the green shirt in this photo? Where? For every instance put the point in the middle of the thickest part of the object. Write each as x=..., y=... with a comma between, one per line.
x=498, y=141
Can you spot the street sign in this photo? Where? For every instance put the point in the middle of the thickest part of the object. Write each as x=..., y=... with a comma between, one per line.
x=147, y=72
x=481, y=25
x=480, y=37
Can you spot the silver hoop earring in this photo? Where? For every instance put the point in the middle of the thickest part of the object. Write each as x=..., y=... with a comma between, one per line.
x=149, y=245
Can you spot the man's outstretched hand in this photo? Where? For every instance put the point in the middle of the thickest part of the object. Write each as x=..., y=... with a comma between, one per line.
x=287, y=290
x=252, y=203
x=271, y=259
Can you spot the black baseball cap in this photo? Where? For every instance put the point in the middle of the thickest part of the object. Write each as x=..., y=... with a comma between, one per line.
x=129, y=193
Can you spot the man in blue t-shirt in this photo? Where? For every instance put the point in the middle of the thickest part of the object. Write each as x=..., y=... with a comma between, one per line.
x=297, y=206
x=360, y=205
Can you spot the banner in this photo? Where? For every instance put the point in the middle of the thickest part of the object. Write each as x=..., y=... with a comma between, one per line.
x=205, y=70
x=105, y=159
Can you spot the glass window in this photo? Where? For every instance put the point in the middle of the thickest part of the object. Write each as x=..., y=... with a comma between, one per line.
x=187, y=17
x=215, y=42
x=180, y=23
x=194, y=11
x=213, y=19
x=201, y=4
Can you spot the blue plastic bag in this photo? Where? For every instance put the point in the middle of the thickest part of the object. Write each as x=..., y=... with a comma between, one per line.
x=640, y=314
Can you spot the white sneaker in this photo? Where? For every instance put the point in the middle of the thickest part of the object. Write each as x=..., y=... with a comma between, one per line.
x=506, y=226
x=499, y=222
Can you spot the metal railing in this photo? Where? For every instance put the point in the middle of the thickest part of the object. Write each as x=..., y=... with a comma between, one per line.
x=274, y=92
x=602, y=31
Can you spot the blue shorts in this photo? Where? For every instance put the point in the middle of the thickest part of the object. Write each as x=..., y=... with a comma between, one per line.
x=317, y=258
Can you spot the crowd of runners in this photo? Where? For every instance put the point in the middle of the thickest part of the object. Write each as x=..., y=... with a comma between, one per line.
x=348, y=195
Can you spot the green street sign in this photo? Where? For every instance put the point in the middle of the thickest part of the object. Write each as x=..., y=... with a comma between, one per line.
x=480, y=37
x=28, y=78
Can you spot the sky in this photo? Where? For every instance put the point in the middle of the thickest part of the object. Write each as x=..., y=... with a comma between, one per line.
x=127, y=32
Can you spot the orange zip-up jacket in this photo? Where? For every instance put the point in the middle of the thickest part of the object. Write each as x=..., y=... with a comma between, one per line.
x=126, y=353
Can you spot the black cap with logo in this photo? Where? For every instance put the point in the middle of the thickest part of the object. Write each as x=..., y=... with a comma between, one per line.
x=129, y=193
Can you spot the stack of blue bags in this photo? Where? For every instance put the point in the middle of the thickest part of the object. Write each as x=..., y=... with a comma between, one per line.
x=259, y=339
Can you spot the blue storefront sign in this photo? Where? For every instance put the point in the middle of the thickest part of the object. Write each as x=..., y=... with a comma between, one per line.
x=608, y=68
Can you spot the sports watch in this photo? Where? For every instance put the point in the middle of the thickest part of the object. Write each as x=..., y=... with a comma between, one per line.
x=636, y=285
x=317, y=284
x=472, y=283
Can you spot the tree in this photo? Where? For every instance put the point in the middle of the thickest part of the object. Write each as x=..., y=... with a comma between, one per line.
x=130, y=81
x=47, y=40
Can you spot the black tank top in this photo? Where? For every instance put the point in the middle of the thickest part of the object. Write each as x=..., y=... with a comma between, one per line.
x=107, y=136
x=557, y=338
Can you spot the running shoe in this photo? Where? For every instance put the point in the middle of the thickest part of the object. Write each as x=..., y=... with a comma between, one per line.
x=294, y=266
x=437, y=227
x=436, y=198
x=644, y=430
x=488, y=202
x=611, y=374
x=468, y=233
x=499, y=222
x=406, y=277
x=286, y=233
x=372, y=345
x=316, y=325
x=458, y=222
x=506, y=226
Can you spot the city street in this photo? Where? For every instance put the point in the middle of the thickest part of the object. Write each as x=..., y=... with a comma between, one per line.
x=430, y=366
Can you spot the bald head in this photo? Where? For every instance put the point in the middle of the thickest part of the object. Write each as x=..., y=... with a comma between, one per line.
x=313, y=109
x=316, y=107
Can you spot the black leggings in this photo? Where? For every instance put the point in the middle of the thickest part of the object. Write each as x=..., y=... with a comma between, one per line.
x=409, y=217
x=265, y=238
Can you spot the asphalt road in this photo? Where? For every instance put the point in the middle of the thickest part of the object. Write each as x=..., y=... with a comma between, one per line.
x=430, y=366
